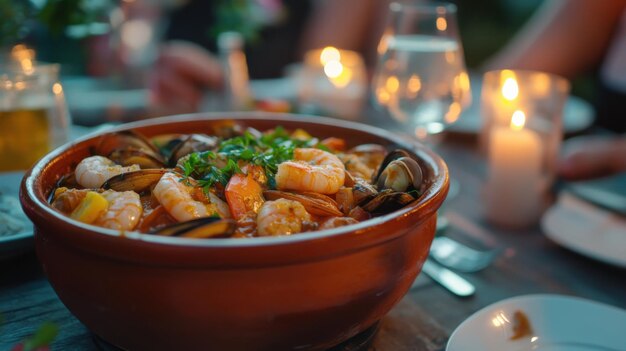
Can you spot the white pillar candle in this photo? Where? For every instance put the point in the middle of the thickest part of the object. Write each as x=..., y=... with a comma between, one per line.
x=515, y=166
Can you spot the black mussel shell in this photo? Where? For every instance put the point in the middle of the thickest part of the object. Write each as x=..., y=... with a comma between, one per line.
x=137, y=181
x=206, y=227
x=404, y=159
x=387, y=201
x=192, y=143
x=126, y=140
x=129, y=157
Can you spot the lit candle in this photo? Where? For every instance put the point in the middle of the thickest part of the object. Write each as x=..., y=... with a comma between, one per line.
x=509, y=97
x=333, y=81
x=500, y=99
x=515, y=162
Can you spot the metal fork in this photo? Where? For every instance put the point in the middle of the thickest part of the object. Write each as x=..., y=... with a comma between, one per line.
x=454, y=255
x=448, y=279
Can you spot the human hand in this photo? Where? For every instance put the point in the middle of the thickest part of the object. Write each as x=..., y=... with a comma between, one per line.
x=182, y=72
x=592, y=157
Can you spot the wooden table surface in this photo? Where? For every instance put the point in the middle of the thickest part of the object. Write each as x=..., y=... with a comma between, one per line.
x=423, y=320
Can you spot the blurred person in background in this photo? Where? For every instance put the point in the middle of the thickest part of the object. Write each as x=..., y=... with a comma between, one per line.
x=568, y=38
x=277, y=33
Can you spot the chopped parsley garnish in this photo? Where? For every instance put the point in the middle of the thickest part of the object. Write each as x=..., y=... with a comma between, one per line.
x=266, y=151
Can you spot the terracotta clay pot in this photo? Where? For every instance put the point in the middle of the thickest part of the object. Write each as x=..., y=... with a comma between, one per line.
x=303, y=292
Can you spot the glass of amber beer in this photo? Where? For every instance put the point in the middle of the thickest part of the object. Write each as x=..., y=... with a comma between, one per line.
x=33, y=113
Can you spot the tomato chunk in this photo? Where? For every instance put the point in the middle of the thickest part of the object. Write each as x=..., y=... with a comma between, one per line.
x=243, y=195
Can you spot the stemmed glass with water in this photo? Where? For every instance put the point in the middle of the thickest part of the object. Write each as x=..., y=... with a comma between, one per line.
x=420, y=78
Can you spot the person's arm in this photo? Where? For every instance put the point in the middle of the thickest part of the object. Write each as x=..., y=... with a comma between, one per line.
x=594, y=156
x=564, y=37
x=182, y=72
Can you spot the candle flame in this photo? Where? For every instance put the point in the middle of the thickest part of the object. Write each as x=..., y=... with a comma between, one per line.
x=510, y=90
x=518, y=120
x=392, y=84
x=333, y=69
x=383, y=96
x=384, y=42
x=25, y=57
x=414, y=85
x=329, y=54
x=453, y=113
x=57, y=88
x=338, y=74
x=442, y=24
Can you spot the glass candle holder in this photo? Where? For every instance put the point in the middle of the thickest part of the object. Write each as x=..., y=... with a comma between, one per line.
x=332, y=81
x=33, y=113
x=522, y=131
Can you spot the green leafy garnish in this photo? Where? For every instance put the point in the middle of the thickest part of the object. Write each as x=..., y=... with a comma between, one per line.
x=267, y=151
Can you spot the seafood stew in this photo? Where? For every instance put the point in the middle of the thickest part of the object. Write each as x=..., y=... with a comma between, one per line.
x=95, y=269
x=238, y=182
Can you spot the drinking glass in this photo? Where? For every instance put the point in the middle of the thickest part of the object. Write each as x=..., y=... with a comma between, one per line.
x=421, y=79
x=33, y=113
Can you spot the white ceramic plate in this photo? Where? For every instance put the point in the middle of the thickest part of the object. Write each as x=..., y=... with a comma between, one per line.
x=558, y=323
x=587, y=229
x=22, y=241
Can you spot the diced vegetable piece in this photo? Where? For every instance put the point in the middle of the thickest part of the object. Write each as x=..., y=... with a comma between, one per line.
x=301, y=134
x=90, y=208
x=243, y=195
x=273, y=106
x=334, y=144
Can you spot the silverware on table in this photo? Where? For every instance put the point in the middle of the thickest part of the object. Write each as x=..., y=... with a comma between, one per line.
x=448, y=279
x=454, y=255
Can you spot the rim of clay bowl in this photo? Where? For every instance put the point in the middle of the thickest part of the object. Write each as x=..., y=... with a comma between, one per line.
x=435, y=192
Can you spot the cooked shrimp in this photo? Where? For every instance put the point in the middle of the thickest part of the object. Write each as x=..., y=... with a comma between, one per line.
x=220, y=205
x=311, y=170
x=335, y=222
x=176, y=197
x=93, y=171
x=282, y=217
x=124, y=210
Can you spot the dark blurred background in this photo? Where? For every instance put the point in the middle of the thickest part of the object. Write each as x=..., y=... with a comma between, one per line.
x=117, y=41
x=70, y=31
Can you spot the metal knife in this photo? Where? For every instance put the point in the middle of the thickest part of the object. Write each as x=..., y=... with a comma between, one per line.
x=448, y=279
